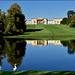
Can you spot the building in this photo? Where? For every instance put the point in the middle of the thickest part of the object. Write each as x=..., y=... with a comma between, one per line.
x=36, y=21
x=55, y=21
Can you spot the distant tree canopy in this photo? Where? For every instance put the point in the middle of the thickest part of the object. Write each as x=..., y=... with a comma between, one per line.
x=15, y=20
x=70, y=13
x=64, y=21
x=70, y=20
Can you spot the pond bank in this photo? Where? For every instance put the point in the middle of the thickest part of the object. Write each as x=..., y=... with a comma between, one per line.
x=39, y=38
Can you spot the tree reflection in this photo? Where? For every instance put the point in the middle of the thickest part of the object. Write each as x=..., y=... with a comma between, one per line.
x=70, y=44
x=2, y=52
x=15, y=50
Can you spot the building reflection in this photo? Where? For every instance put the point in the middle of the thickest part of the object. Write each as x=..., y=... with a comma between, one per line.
x=37, y=43
x=70, y=44
x=43, y=42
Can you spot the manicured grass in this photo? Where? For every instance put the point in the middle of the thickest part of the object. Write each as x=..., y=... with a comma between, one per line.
x=56, y=29
x=44, y=31
x=37, y=73
x=41, y=38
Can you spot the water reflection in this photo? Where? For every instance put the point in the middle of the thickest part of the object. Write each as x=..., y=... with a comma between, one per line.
x=2, y=52
x=70, y=44
x=15, y=50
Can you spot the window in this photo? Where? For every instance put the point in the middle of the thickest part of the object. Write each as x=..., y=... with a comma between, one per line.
x=34, y=21
x=57, y=21
x=43, y=21
x=34, y=41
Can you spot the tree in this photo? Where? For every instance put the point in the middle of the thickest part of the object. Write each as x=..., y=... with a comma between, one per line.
x=2, y=20
x=70, y=13
x=16, y=18
x=64, y=21
x=68, y=21
x=20, y=21
x=14, y=9
x=72, y=22
x=8, y=27
x=1, y=26
x=14, y=28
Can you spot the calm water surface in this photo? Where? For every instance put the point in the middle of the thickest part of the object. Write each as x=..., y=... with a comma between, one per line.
x=44, y=55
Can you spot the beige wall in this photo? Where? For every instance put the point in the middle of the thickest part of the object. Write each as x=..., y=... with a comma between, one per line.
x=34, y=21
x=28, y=22
x=57, y=20
x=50, y=22
x=45, y=21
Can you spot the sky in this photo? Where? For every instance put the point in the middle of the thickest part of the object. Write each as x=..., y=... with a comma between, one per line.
x=43, y=9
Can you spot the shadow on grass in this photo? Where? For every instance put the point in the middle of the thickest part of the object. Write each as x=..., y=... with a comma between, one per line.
x=27, y=30
x=33, y=30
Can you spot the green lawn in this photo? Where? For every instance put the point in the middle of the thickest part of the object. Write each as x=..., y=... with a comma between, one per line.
x=47, y=31
x=56, y=29
x=37, y=73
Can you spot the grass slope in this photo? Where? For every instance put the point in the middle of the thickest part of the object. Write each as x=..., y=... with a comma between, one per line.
x=38, y=31
x=56, y=29
x=37, y=73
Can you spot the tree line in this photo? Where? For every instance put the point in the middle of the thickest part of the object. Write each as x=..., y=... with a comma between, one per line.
x=14, y=21
x=70, y=19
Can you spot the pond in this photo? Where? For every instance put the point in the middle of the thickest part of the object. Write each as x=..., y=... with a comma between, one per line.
x=44, y=55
